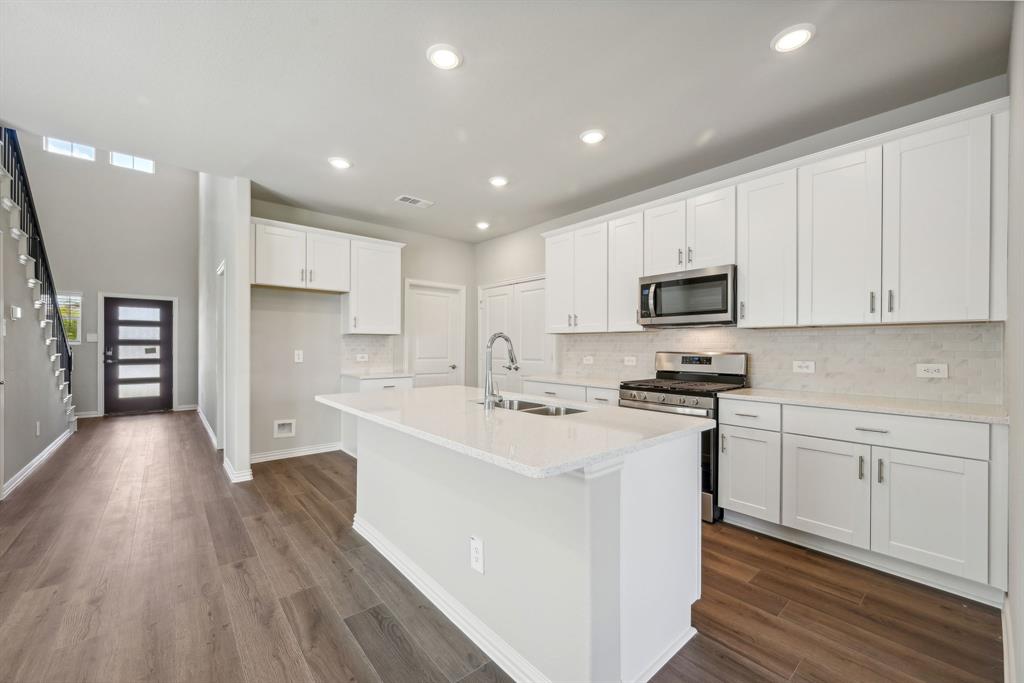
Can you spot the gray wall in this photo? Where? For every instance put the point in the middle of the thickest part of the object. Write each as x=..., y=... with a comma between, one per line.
x=108, y=229
x=289, y=320
x=30, y=388
x=1014, y=344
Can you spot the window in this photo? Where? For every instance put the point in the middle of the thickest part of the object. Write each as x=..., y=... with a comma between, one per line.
x=70, y=306
x=132, y=162
x=69, y=149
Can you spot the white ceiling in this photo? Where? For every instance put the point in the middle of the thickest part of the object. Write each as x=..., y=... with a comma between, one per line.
x=269, y=90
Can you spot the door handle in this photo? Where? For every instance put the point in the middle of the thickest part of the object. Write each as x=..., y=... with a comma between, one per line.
x=452, y=366
x=881, y=463
x=860, y=467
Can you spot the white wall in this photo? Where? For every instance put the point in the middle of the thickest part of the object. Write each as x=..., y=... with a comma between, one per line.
x=108, y=229
x=1014, y=343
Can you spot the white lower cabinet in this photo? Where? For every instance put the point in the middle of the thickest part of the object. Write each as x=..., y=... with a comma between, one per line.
x=569, y=392
x=931, y=510
x=749, y=472
x=826, y=489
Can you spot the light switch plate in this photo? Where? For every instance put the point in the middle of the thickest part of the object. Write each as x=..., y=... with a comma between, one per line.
x=362, y=357
x=933, y=370
x=298, y=355
x=629, y=360
x=588, y=360
x=804, y=366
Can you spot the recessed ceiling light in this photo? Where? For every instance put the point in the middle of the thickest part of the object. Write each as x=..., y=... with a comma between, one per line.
x=592, y=136
x=483, y=225
x=498, y=181
x=444, y=56
x=793, y=38
x=340, y=163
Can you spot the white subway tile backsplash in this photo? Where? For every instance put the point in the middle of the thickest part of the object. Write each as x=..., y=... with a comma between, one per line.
x=878, y=361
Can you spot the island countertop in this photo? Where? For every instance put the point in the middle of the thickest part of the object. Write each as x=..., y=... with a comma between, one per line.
x=535, y=446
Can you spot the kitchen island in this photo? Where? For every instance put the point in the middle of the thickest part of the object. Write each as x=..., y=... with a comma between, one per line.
x=567, y=547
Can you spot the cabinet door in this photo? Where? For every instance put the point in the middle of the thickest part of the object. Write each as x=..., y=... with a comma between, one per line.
x=766, y=251
x=750, y=472
x=280, y=256
x=825, y=488
x=840, y=228
x=328, y=262
x=936, y=224
x=535, y=348
x=376, y=296
x=664, y=239
x=625, y=268
x=590, y=279
x=711, y=229
x=931, y=510
x=558, y=269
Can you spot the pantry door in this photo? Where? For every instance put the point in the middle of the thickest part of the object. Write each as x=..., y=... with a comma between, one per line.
x=137, y=355
x=435, y=315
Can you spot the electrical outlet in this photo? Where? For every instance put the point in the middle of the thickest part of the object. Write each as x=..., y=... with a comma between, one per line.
x=629, y=360
x=476, y=554
x=804, y=366
x=298, y=355
x=588, y=360
x=933, y=370
x=38, y=428
x=362, y=357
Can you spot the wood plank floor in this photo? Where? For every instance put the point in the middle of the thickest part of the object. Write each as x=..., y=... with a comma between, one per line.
x=128, y=557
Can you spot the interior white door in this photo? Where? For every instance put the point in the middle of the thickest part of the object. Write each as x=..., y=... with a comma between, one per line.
x=625, y=268
x=840, y=238
x=750, y=472
x=931, y=510
x=328, y=260
x=766, y=250
x=665, y=239
x=711, y=229
x=376, y=296
x=936, y=224
x=496, y=315
x=535, y=348
x=590, y=279
x=437, y=334
x=558, y=267
x=826, y=489
x=280, y=256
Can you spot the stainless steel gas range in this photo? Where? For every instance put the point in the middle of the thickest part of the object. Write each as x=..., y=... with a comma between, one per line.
x=689, y=384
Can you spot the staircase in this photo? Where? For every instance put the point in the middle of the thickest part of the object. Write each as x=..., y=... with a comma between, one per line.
x=19, y=220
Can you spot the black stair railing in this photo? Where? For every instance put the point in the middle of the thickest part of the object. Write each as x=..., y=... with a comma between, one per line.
x=21, y=194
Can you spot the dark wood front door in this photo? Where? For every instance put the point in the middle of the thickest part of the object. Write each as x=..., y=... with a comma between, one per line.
x=137, y=363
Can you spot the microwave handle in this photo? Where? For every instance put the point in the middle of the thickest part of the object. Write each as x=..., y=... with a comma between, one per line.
x=650, y=299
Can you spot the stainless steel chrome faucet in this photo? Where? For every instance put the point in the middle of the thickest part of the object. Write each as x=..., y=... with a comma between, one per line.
x=490, y=396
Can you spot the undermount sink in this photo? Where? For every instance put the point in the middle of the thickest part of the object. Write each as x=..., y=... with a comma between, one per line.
x=533, y=408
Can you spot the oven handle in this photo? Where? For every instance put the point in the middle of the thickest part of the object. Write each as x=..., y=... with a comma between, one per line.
x=677, y=410
x=650, y=300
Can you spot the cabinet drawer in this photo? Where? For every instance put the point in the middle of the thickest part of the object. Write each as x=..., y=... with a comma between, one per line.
x=391, y=383
x=750, y=414
x=603, y=397
x=567, y=391
x=945, y=437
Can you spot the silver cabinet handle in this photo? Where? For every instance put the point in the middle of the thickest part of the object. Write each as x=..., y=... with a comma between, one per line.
x=302, y=274
x=689, y=254
x=891, y=300
x=679, y=257
x=550, y=393
x=722, y=443
x=871, y=300
x=873, y=430
x=355, y=321
x=388, y=386
x=860, y=467
x=310, y=274
x=881, y=463
x=575, y=320
x=745, y=415
x=598, y=398
x=568, y=317
x=743, y=310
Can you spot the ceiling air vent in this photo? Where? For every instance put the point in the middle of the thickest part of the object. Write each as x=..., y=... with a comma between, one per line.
x=414, y=201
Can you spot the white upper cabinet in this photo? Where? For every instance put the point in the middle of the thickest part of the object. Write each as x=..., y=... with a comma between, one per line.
x=665, y=239
x=328, y=262
x=840, y=238
x=936, y=224
x=280, y=256
x=766, y=251
x=590, y=279
x=375, y=302
x=558, y=266
x=625, y=268
x=711, y=229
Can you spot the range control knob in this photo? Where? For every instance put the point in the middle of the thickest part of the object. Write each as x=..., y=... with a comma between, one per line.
x=643, y=395
x=694, y=401
x=633, y=395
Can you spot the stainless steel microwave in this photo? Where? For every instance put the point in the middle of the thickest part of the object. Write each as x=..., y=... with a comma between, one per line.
x=706, y=296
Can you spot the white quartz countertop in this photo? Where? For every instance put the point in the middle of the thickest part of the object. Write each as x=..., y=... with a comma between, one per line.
x=535, y=446
x=968, y=412
x=576, y=381
x=372, y=373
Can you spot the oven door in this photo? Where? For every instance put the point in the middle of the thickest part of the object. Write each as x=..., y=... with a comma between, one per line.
x=695, y=297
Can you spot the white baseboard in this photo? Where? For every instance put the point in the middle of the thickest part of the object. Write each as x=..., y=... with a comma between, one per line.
x=1009, y=654
x=957, y=585
x=88, y=414
x=294, y=452
x=187, y=406
x=209, y=429
x=493, y=645
x=237, y=476
x=33, y=465
x=668, y=653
